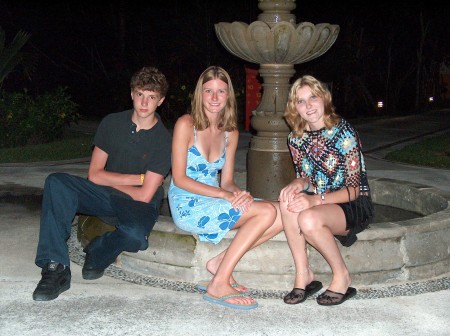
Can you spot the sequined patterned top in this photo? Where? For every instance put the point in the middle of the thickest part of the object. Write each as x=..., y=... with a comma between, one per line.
x=330, y=158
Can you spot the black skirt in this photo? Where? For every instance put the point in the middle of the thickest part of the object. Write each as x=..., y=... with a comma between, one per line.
x=358, y=215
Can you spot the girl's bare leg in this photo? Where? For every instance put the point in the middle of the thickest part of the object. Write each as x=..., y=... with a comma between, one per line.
x=213, y=264
x=297, y=244
x=252, y=225
x=319, y=225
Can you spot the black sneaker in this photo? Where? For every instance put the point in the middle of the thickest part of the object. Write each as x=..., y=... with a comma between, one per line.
x=55, y=280
x=89, y=271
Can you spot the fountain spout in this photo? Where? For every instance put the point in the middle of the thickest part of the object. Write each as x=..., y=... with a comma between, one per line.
x=275, y=42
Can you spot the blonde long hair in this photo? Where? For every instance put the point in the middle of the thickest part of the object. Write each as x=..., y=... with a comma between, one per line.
x=228, y=116
x=294, y=120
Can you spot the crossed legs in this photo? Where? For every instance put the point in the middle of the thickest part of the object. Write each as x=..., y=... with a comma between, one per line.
x=213, y=264
x=256, y=226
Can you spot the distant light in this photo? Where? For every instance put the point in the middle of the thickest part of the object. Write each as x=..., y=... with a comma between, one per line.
x=380, y=104
x=431, y=99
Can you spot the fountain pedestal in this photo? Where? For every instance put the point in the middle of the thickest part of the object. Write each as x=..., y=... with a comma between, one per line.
x=276, y=42
x=269, y=163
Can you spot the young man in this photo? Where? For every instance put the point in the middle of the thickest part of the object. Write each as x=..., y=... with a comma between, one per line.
x=130, y=159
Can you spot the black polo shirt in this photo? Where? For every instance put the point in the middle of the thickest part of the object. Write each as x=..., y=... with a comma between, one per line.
x=131, y=152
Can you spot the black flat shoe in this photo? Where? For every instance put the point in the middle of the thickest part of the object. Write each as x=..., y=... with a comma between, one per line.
x=330, y=298
x=90, y=273
x=298, y=295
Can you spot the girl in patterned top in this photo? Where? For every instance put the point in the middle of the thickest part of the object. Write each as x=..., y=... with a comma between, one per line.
x=330, y=198
x=204, y=145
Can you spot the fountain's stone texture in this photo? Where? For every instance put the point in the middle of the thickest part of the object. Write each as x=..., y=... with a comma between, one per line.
x=389, y=252
x=276, y=42
x=279, y=43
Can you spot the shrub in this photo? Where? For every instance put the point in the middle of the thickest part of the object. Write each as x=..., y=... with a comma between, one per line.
x=25, y=120
x=178, y=102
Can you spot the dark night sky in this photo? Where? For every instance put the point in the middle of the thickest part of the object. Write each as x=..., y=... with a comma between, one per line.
x=80, y=44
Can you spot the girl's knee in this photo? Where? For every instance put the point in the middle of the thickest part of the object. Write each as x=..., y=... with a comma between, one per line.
x=269, y=210
x=283, y=207
x=308, y=223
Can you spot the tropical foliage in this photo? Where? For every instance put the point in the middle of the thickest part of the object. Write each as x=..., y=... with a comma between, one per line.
x=11, y=56
x=25, y=120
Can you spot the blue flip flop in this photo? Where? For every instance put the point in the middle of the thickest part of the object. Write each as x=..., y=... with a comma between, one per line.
x=221, y=301
x=203, y=285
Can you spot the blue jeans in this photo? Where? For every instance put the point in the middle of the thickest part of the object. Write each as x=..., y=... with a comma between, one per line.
x=66, y=195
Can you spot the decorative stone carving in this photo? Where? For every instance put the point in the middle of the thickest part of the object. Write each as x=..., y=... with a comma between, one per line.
x=276, y=42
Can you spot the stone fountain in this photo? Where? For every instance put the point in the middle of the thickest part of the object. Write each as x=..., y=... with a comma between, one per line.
x=394, y=251
x=275, y=42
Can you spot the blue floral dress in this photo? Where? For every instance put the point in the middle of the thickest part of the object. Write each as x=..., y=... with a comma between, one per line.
x=209, y=217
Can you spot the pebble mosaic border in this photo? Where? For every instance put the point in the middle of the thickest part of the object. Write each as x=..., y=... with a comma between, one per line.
x=376, y=292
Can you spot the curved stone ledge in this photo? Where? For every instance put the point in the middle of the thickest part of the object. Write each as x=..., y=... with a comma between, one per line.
x=386, y=253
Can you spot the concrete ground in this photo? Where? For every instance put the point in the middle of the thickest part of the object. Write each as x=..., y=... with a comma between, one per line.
x=109, y=306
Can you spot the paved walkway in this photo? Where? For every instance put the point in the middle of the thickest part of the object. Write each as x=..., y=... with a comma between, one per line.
x=110, y=306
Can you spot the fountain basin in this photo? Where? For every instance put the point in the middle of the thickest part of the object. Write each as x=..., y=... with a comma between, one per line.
x=281, y=43
x=389, y=252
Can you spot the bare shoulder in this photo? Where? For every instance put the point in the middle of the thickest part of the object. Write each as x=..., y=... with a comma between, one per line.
x=184, y=122
x=184, y=127
x=233, y=137
x=234, y=134
x=185, y=119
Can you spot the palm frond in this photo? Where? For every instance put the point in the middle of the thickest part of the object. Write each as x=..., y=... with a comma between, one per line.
x=10, y=56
